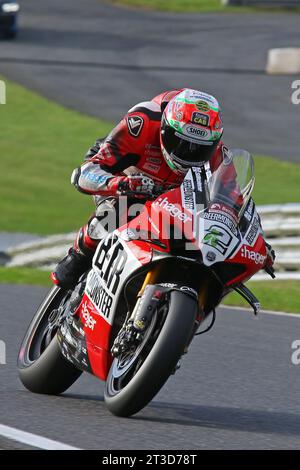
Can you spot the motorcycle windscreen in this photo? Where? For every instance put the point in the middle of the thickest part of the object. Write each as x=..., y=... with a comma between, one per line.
x=233, y=181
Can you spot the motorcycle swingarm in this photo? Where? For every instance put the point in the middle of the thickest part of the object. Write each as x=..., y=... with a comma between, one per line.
x=249, y=296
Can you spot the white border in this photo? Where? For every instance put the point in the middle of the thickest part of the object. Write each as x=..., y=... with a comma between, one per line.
x=33, y=440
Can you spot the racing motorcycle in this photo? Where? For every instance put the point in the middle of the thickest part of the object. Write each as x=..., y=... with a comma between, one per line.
x=152, y=283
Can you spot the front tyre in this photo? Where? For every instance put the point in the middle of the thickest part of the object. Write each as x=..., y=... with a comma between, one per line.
x=41, y=365
x=125, y=398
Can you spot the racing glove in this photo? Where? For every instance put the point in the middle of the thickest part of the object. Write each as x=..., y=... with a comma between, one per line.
x=92, y=179
x=138, y=184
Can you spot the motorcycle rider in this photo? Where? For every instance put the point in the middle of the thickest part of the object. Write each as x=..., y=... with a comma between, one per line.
x=156, y=142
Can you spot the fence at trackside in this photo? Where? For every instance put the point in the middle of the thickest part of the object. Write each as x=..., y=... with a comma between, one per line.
x=41, y=254
x=281, y=224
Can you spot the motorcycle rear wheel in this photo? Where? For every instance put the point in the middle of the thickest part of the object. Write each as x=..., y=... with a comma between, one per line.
x=42, y=367
x=125, y=398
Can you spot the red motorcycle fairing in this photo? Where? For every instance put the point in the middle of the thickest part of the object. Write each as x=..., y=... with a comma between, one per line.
x=252, y=258
x=214, y=233
x=117, y=258
x=159, y=223
x=97, y=334
x=112, y=264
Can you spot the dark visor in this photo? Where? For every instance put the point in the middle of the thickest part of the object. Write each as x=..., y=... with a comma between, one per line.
x=185, y=150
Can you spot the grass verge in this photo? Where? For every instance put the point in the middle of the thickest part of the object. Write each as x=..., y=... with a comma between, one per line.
x=273, y=295
x=198, y=6
x=41, y=143
x=27, y=276
x=276, y=181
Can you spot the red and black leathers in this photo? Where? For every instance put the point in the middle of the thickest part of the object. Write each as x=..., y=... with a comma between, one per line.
x=133, y=144
x=132, y=147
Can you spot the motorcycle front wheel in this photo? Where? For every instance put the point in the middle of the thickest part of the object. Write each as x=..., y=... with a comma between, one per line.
x=137, y=376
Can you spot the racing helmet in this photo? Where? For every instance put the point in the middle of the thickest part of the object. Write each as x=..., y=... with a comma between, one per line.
x=191, y=130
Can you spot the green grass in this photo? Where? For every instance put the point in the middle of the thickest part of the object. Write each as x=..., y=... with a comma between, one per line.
x=274, y=295
x=27, y=276
x=200, y=6
x=40, y=144
x=276, y=181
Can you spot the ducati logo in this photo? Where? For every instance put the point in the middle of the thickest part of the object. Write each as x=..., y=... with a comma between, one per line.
x=135, y=125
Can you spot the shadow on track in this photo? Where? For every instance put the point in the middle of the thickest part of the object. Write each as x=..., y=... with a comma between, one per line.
x=215, y=417
x=236, y=419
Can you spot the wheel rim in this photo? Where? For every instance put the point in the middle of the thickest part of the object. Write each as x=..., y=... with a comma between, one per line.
x=126, y=366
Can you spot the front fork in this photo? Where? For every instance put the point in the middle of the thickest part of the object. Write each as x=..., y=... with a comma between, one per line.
x=150, y=298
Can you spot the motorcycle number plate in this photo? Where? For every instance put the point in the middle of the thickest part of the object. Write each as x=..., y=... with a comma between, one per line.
x=218, y=243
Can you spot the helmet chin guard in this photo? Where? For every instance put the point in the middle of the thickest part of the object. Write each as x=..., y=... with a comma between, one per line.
x=173, y=164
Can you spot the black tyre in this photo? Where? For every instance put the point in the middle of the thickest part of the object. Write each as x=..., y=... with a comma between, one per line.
x=129, y=388
x=41, y=365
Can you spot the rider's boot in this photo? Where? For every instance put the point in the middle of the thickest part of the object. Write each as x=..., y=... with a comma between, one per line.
x=77, y=261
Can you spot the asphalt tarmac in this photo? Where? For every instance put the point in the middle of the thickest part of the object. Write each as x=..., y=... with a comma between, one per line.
x=237, y=389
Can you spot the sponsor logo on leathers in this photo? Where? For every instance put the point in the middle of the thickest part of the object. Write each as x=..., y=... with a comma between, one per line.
x=135, y=125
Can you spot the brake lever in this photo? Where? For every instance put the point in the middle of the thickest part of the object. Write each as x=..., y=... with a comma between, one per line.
x=135, y=195
x=271, y=271
x=156, y=191
x=244, y=292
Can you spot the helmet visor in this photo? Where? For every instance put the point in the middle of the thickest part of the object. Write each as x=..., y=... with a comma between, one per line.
x=187, y=151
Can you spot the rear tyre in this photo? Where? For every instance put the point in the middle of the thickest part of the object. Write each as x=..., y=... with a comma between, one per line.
x=125, y=398
x=42, y=367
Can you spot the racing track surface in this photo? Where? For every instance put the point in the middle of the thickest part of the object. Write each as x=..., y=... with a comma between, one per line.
x=102, y=59
x=237, y=389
